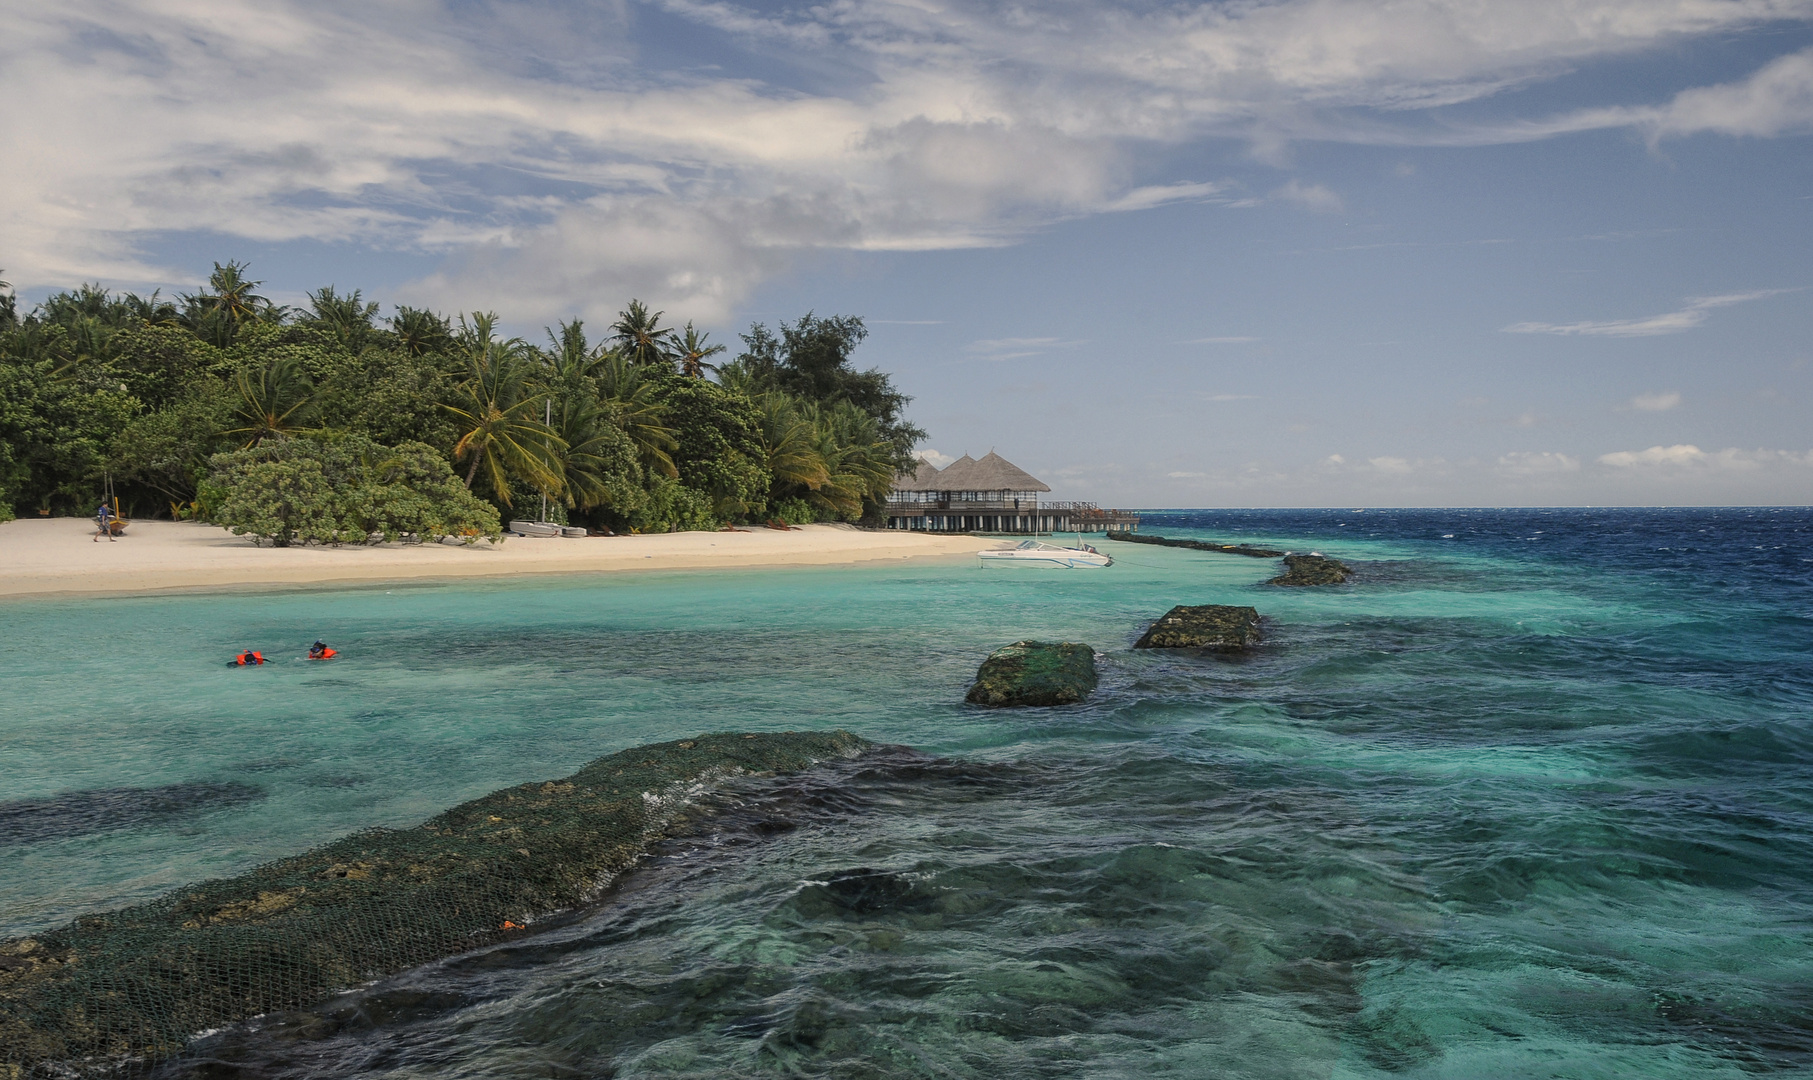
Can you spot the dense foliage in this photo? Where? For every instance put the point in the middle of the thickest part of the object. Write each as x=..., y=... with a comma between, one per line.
x=327, y=423
x=342, y=490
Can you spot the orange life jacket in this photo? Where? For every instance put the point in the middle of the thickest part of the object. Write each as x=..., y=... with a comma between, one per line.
x=326, y=654
x=246, y=658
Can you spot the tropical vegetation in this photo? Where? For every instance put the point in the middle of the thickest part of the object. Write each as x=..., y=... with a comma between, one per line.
x=329, y=423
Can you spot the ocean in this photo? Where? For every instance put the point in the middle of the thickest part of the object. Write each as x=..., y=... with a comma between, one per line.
x=1532, y=796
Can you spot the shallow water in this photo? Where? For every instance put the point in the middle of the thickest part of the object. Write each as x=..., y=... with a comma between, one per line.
x=1530, y=797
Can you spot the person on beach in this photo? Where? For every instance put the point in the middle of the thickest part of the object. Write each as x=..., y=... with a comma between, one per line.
x=103, y=519
x=320, y=651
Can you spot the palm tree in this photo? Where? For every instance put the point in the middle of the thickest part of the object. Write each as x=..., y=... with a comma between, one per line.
x=860, y=461
x=572, y=363
x=691, y=352
x=151, y=310
x=790, y=443
x=273, y=401
x=501, y=423
x=420, y=332
x=641, y=338
x=592, y=454
x=348, y=317
x=633, y=404
x=232, y=302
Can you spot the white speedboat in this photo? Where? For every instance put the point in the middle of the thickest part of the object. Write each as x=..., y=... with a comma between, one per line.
x=534, y=528
x=1034, y=553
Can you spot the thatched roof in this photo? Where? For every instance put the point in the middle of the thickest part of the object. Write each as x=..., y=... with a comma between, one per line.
x=992, y=473
x=924, y=478
x=996, y=473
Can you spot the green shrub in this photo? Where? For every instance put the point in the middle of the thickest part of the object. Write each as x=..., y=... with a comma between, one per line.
x=794, y=512
x=346, y=490
x=673, y=507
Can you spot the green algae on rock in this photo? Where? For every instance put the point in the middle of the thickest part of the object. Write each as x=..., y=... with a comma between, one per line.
x=1312, y=570
x=1034, y=673
x=134, y=985
x=1220, y=627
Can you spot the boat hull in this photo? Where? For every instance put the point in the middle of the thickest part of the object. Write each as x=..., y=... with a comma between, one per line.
x=1047, y=560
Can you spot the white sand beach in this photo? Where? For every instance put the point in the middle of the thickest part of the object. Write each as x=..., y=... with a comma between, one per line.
x=52, y=556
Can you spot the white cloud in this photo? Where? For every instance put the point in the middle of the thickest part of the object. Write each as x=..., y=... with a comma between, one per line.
x=1686, y=455
x=560, y=171
x=1185, y=475
x=1395, y=465
x=1016, y=347
x=1693, y=314
x=1777, y=99
x=1158, y=195
x=937, y=459
x=1539, y=463
x=1679, y=454
x=1657, y=402
x=1310, y=197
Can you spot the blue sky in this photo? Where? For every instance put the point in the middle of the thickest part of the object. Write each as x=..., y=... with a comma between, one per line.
x=1303, y=252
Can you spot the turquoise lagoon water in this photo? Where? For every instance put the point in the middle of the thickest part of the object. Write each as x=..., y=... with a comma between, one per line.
x=1533, y=796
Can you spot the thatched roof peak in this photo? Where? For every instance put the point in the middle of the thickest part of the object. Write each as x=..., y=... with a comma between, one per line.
x=992, y=473
x=923, y=478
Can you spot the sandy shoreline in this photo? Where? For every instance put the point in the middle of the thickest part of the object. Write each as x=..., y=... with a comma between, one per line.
x=54, y=556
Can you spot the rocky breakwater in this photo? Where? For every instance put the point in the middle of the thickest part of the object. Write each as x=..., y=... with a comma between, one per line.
x=1199, y=545
x=1312, y=570
x=1215, y=627
x=1309, y=569
x=1035, y=673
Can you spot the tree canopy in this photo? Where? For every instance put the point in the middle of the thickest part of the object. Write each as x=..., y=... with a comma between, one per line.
x=315, y=423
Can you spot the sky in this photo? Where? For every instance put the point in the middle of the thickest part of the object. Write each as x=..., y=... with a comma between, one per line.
x=1253, y=253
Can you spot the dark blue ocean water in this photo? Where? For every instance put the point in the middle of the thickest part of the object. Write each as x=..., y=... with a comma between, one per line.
x=1531, y=796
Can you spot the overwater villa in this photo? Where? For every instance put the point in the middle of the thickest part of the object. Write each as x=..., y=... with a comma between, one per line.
x=992, y=495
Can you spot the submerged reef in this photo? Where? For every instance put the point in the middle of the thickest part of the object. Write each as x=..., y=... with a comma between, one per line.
x=1199, y=545
x=130, y=987
x=1034, y=673
x=1220, y=627
x=1312, y=570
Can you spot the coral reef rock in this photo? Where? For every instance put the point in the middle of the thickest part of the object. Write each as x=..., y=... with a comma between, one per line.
x=1220, y=627
x=1312, y=570
x=1035, y=673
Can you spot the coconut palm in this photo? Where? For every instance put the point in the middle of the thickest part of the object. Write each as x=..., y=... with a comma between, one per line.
x=420, y=332
x=860, y=461
x=641, y=338
x=631, y=401
x=348, y=318
x=691, y=352
x=231, y=302
x=500, y=416
x=274, y=400
x=791, y=445
x=594, y=458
